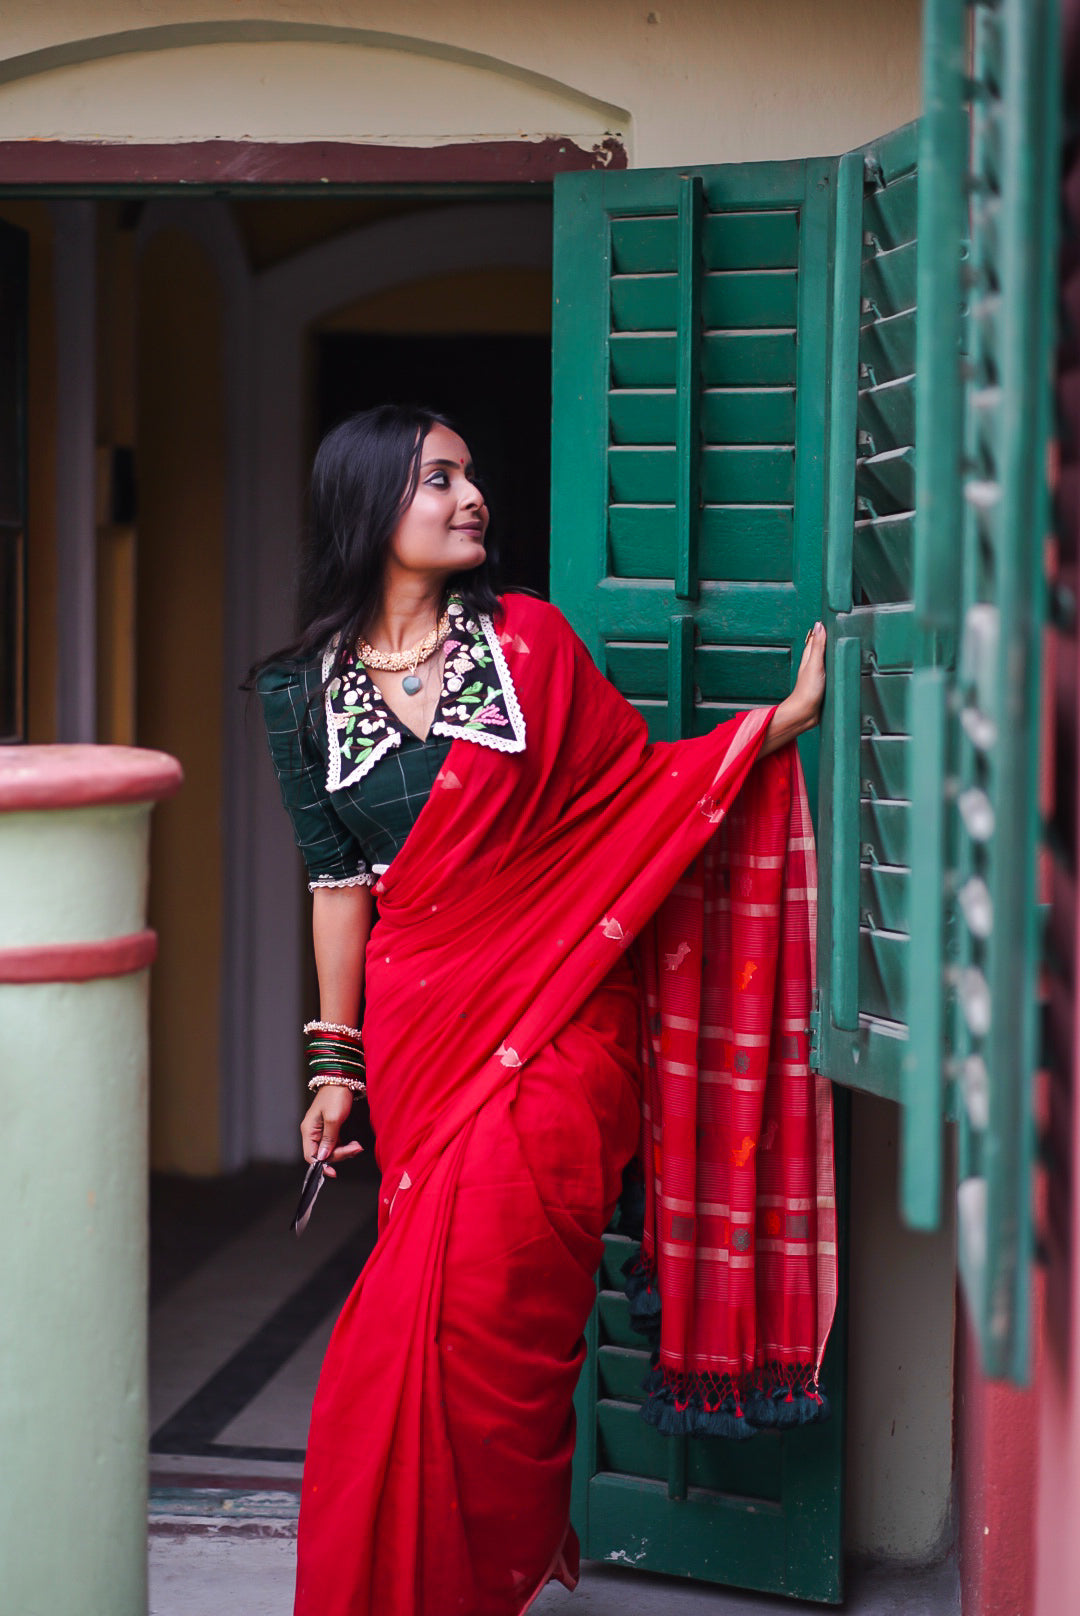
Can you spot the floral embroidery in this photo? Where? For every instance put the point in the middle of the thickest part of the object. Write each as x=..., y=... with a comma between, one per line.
x=478, y=699
x=478, y=702
x=359, y=730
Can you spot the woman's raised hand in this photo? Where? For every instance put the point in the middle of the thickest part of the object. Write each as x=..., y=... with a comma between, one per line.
x=322, y=1125
x=802, y=709
x=809, y=691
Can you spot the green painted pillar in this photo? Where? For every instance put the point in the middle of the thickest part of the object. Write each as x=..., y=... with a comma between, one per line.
x=74, y=976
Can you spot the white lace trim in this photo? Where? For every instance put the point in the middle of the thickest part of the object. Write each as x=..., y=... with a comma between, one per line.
x=483, y=737
x=367, y=879
x=335, y=723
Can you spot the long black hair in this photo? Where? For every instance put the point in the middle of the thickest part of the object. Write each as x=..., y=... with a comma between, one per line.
x=364, y=478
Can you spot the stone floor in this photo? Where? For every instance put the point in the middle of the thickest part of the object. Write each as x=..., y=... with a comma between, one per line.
x=202, y=1575
x=240, y=1314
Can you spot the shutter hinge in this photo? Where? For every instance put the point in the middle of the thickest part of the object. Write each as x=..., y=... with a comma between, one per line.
x=814, y=1054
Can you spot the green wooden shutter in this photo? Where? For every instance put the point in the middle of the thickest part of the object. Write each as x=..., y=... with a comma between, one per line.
x=993, y=824
x=865, y=833
x=691, y=313
x=988, y=174
x=929, y=796
x=13, y=378
x=892, y=569
x=685, y=306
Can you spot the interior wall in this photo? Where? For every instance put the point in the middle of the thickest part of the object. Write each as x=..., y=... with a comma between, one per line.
x=476, y=345
x=691, y=80
x=484, y=302
x=180, y=442
x=41, y=572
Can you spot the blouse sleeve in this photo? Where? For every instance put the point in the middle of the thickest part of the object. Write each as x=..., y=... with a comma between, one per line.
x=333, y=856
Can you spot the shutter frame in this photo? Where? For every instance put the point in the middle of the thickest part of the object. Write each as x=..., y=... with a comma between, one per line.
x=686, y=635
x=1015, y=99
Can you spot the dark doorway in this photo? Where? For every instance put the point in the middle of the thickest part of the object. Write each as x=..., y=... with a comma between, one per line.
x=496, y=390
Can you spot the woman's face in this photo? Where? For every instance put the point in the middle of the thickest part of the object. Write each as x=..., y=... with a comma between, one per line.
x=443, y=529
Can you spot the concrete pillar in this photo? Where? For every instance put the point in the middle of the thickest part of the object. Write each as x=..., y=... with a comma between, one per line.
x=74, y=972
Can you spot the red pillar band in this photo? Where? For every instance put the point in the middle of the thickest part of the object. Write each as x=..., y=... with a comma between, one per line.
x=79, y=962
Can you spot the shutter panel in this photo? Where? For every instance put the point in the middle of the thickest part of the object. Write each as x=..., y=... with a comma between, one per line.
x=866, y=832
x=932, y=716
x=988, y=172
x=995, y=723
x=690, y=348
x=679, y=549
x=13, y=380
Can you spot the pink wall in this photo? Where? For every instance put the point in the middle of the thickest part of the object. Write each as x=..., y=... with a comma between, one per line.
x=1057, y=1540
x=996, y=1445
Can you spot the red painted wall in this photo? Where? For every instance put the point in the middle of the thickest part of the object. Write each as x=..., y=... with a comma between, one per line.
x=996, y=1454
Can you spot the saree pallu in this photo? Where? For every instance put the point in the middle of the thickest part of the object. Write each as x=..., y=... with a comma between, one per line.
x=503, y=1036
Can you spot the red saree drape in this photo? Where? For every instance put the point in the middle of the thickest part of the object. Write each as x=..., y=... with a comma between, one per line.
x=502, y=1027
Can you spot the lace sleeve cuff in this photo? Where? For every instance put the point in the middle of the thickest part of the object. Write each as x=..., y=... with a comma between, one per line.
x=366, y=878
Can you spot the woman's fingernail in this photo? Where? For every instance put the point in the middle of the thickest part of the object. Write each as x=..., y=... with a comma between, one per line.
x=323, y=1152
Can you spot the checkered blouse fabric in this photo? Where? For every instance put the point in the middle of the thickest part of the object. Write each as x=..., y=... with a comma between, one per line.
x=341, y=835
x=385, y=805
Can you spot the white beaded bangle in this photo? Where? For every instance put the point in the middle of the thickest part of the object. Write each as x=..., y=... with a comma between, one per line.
x=334, y=1026
x=355, y=1085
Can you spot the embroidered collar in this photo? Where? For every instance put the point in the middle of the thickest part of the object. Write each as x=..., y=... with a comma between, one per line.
x=477, y=702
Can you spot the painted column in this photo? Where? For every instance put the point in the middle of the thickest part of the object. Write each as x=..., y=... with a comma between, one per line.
x=74, y=974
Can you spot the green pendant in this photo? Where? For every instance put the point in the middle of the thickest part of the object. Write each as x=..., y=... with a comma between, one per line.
x=412, y=684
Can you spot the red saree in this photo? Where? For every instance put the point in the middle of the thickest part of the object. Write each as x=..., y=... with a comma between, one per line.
x=502, y=1027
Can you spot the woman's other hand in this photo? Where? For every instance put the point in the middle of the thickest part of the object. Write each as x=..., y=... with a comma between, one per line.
x=322, y=1125
x=802, y=709
x=809, y=692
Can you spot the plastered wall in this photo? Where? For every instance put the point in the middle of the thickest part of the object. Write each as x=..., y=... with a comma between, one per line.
x=678, y=80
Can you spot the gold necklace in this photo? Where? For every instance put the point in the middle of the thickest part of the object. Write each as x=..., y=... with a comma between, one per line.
x=398, y=661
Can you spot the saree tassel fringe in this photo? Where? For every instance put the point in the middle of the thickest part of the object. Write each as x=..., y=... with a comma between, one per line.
x=708, y=1403
x=643, y=1294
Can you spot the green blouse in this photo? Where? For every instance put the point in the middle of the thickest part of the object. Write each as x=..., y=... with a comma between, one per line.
x=354, y=778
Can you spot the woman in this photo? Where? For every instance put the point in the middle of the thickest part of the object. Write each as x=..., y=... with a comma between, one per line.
x=458, y=762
